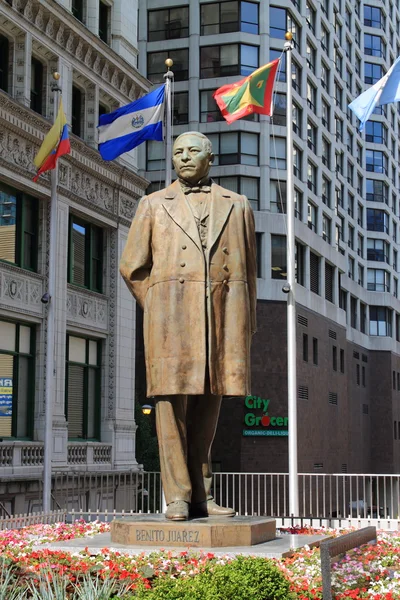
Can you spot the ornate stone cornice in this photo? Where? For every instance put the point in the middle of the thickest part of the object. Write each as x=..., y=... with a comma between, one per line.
x=59, y=28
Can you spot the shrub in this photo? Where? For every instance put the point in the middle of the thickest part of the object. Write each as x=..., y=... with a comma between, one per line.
x=244, y=578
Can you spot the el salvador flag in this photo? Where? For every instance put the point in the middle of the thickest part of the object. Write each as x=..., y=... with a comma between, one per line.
x=130, y=125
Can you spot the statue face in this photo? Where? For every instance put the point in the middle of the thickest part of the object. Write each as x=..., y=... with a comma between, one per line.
x=191, y=161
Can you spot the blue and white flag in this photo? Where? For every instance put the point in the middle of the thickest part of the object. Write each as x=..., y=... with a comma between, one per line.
x=384, y=91
x=130, y=125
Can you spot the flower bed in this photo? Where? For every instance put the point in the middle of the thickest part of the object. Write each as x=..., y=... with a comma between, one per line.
x=373, y=572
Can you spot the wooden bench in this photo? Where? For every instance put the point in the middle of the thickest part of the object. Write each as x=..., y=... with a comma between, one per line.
x=333, y=548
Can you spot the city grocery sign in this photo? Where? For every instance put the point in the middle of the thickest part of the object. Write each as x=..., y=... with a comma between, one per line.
x=261, y=422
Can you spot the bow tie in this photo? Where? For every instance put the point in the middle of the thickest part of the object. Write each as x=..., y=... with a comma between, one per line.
x=196, y=189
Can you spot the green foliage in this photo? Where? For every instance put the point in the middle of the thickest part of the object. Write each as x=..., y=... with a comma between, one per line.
x=244, y=578
x=146, y=440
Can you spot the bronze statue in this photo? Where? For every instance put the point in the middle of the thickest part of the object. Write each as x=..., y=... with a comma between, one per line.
x=190, y=262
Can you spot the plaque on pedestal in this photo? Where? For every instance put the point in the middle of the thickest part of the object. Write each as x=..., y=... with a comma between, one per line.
x=211, y=532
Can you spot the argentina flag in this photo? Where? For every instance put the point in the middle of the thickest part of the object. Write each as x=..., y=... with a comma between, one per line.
x=130, y=125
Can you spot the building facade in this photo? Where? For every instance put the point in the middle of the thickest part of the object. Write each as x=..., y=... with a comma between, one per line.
x=347, y=215
x=93, y=45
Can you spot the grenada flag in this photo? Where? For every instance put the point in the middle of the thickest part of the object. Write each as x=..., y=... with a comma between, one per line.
x=250, y=95
x=55, y=144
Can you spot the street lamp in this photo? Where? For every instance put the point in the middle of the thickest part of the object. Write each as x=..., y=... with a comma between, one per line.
x=147, y=409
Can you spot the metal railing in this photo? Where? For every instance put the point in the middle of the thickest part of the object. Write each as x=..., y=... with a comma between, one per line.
x=324, y=498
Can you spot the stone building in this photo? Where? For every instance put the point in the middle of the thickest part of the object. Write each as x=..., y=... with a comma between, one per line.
x=92, y=44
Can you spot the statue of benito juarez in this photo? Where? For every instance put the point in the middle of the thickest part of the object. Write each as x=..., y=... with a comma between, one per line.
x=190, y=262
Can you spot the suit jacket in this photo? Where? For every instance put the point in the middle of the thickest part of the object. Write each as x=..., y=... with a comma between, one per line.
x=199, y=308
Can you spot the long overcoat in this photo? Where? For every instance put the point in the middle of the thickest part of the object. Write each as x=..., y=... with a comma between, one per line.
x=199, y=308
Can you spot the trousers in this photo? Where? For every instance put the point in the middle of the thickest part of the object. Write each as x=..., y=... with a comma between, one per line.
x=186, y=428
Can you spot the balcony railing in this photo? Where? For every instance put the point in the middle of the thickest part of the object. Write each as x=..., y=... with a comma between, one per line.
x=31, y=454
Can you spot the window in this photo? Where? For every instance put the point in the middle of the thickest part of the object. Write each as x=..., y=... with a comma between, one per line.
x=325, y=113
x=297, y=161
x=278, y=154
x=315, y=350
x=82, y=398
x=334, y=358
x=279, y=112
x=377, y=220
x=358, y=374
x=85, y=257
x=363, y=376
x=312, y=216
x=155, y=156
x=180, y=108
x=278, y=257
x=394, y=379
x=375, y=132
x=37, y=86
x=209, y=111
x=235, y=147
x=18, y=228
x=104, y=21
x=78, y=108
x=372, y=73
x=374, y=45
x=363, y=317
x=325, y=73
x=351, y=267
x=77, y=9
x=311, y=56
x=373, y=17
x=231, y=59
x=305, y=347
x=353, y=312
x=17, y=382
x=4, y=62
x=248, y=186
x=378, y=280
x=314, y=273
x=377, y=191
x=326, y=152
x=298, y=204
x=299, y=259
x=168, y=23
x=156, y=64
x=311, y=96
x=311, y=136
x=278, y=196
x=326, y=191
x=326, y=228
x=341, y=354
x=377, y=250
x=297, y=119
x=226, y=17
x=329, y=281
x=310, y=16
x=380, y=321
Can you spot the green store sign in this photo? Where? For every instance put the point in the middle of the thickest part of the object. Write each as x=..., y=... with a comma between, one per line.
x=258, y=417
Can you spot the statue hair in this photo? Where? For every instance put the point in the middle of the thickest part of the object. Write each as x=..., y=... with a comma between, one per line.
x=207, y=145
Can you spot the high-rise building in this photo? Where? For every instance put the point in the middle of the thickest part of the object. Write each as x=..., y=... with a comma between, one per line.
x=93, y=45
x=347, y=216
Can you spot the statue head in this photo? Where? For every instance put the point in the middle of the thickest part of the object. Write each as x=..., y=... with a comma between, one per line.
x=192, y=156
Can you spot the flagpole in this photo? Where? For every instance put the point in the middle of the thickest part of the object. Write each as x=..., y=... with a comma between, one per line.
x=291, y=301
x=168, y=76
x=51, y=308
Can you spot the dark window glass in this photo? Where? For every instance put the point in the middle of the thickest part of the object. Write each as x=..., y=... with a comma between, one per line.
x=225, y=17
x=377, y=220
x=342, y=360
x=104, y=21
x=77, y=110
x=334, y=358
x=17, y=386
x=4, y=62
x=85, y=254
x=358, y=374
x=373, y=16
x=168, y=23
x=77, y=9
x=278, y=22
x=248, y=186
x=315, y=351
x=278, y=257
x=372, y=73
x=314, y=273
x=37, y=86
x=103, y=110
x=305, y=347
x=156, y=65
x=299, y=264
x=279, y=112
x=82, y=397
x=231, y=59
x=18, y=228
x=180, y=108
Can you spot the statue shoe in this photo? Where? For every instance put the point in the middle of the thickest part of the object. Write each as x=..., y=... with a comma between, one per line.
x=177, y=511
x=210, y=509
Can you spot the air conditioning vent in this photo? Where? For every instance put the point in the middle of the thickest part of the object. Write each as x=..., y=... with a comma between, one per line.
x=332, y=334
x=333, y=398
x=303, y=392
x=344, y=468
x=302, y=320
x=356, y=355
x=365, y=409
x=318, y=466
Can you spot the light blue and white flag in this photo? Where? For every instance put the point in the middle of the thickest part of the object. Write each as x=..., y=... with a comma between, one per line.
x=384, y=91
x=130, y=125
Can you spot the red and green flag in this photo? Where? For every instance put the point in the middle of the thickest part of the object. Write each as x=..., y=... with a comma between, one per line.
x=250, y=95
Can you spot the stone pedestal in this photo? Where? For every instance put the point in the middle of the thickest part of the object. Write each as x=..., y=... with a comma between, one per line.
x=212, y=532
